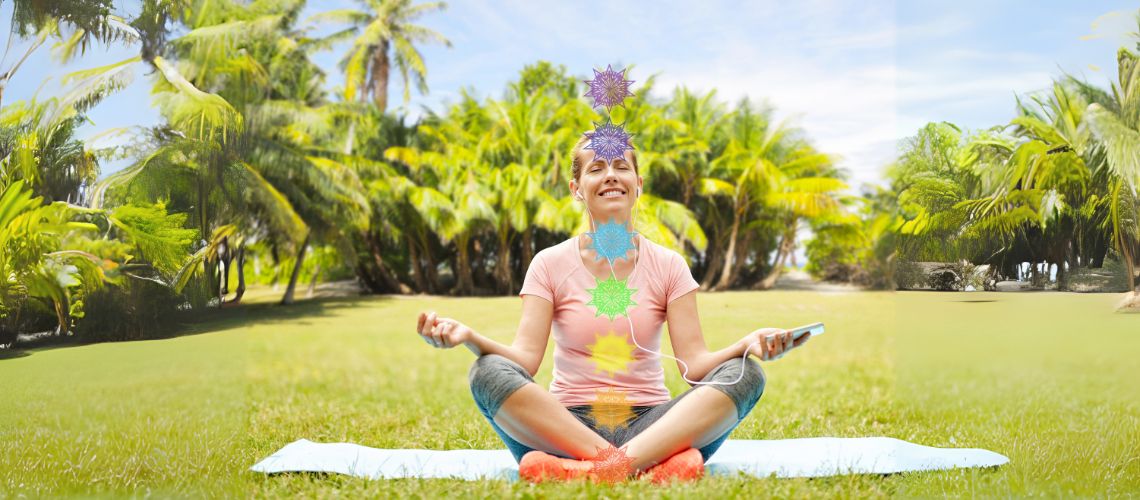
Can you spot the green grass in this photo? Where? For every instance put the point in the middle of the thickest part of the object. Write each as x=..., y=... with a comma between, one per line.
x=1047, y=379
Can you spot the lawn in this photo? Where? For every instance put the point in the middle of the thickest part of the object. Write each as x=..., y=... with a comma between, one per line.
x=1048, y=379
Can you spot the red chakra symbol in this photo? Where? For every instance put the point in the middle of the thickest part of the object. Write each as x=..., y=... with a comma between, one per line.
x=611, y=465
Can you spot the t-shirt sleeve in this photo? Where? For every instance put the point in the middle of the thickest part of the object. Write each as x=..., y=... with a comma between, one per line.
x=537, y=281
x=679, y=278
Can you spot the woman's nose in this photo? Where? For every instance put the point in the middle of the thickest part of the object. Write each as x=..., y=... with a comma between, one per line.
x=611, y=172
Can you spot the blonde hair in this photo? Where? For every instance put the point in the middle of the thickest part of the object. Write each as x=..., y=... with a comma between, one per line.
x=576, y=163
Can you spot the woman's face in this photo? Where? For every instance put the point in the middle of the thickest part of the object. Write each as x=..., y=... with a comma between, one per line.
x=609, y=189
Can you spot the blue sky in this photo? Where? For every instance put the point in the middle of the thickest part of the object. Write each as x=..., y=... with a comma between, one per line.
x=857, y=76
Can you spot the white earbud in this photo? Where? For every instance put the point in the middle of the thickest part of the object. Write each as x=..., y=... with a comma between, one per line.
x=638, y=192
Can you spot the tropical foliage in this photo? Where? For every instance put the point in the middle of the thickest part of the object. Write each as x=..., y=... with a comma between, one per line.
x=256, y=160
x=1055, y=188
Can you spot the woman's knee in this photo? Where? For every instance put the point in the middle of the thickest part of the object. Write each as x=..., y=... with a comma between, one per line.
x=754, y=380
x=741, y=380
x=490, y=368
x=492, y=378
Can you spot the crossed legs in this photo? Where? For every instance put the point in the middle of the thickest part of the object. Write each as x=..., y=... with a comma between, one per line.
x=528, y=417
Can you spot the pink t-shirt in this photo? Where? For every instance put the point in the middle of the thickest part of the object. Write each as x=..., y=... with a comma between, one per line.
x=594, y=358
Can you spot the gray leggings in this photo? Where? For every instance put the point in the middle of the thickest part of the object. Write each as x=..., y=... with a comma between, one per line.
x=493, y=378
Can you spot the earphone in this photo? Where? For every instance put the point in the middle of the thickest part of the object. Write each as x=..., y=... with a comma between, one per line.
x=685, y=373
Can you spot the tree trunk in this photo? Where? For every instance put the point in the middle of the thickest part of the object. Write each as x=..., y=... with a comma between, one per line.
x=226, y=260
x=62, y=327
x=687, y=194
x=380, y=68
x=741, y=253
x=464, y=285
x=221, y=273
x=417, y=273
x=527, y=248
x=431, y=273
x=313, y=282
x=288, y=298
x=787, y=244
x=503, y=269
x=1129, y=263
x=240, y=275
x=715, y=259
x=730, y=254
x=1100, y=249
x=386, y=276
x=1062, y=275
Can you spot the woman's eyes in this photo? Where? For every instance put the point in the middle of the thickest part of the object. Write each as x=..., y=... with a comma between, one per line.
x=598, y=168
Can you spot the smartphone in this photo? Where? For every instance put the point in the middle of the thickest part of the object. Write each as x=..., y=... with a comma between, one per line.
x=815, y=329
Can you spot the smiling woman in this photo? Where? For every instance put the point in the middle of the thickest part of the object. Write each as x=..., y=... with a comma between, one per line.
x=606, y=295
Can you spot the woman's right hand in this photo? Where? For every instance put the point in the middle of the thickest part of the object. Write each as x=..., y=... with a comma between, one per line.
x=443, y=333
x=769, y=344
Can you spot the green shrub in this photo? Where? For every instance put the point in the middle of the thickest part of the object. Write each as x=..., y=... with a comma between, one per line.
x=133, y=310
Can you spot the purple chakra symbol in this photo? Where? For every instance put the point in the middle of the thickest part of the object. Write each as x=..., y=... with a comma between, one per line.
x=609, y=88
x=608, y=141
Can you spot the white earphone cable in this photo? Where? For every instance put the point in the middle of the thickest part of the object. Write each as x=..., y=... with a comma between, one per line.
x=685, y=372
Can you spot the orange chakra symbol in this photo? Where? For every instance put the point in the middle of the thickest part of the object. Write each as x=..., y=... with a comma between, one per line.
x=611, y=409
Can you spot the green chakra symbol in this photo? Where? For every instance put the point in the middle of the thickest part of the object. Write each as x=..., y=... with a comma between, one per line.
x=611, y=298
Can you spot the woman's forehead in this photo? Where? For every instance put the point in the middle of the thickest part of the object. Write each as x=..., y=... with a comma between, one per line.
x=596, y=160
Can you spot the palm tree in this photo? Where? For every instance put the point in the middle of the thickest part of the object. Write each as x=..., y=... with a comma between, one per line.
x=798, y=196
x=384, y=34
x=755, y=159
x=74, y=25
x=932, y=175
x=249, y=125
x=1115, y=122
x=700, y=120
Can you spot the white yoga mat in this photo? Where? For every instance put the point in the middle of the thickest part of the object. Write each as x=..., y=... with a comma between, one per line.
x=809, y=457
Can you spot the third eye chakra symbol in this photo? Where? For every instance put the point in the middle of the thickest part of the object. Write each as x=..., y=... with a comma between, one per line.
x=608, y=88
x=611, y=241
x=608, y=141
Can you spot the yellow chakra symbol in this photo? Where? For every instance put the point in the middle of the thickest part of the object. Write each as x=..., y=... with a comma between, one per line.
x=611, y=353
x=611, y=409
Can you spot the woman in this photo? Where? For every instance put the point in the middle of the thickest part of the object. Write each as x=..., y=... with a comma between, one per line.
x=608, y=415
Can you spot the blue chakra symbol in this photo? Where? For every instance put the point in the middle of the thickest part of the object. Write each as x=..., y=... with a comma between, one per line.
x=608, y=141
x=609, y=88
x=611, y=241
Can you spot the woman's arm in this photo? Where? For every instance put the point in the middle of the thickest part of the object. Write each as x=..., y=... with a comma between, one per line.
x=689, y=343
x=529, y=345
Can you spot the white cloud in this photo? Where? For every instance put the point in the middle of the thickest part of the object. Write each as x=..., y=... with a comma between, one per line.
x=847, y=109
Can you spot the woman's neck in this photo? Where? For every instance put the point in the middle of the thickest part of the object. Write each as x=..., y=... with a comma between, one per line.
x=617, y=217
x=586, y=247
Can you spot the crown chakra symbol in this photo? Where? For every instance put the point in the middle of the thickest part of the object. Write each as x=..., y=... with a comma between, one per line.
x=609, y=88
